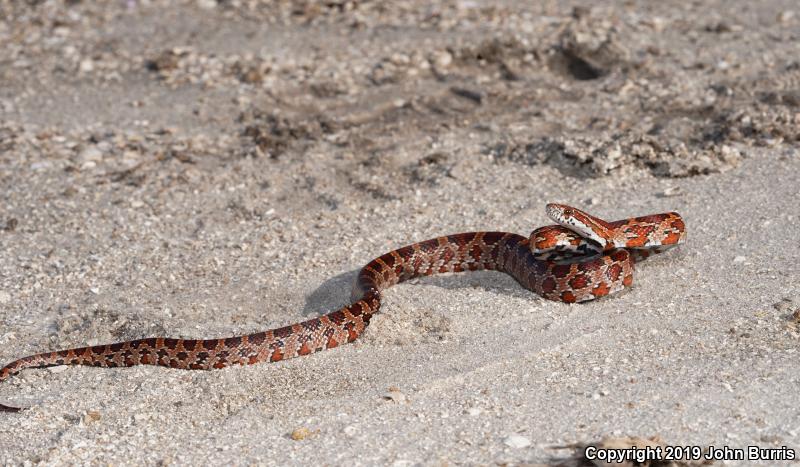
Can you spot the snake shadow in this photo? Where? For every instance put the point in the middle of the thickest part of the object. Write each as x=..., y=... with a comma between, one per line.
x=335, y=292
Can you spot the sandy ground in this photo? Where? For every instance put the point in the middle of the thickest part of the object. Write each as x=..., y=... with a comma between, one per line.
x=211, y=168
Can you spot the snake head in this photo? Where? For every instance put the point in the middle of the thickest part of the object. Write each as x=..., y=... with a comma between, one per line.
x=580, y=222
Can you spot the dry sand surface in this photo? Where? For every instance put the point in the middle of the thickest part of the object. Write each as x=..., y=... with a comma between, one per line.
x=210, y=168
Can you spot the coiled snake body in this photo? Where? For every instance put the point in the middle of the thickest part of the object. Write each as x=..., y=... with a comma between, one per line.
x=580, y=259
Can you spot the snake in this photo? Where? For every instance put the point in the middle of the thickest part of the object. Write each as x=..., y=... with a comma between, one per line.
x=580, y=258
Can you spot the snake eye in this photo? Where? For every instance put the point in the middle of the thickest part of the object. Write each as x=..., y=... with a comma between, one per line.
x=568, y=212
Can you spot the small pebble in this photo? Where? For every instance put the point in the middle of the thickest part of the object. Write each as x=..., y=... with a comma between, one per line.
x=87, y=65
x=785, y=16
x=41, y=165
x=517, y=441
x=91, y=417
x=394, y=394
x=442, y=59
x=740, y=259
x=669, y=192
x=300, y=434
x=90, y=154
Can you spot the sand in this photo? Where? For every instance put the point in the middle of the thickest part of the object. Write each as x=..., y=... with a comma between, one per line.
x=205, y=169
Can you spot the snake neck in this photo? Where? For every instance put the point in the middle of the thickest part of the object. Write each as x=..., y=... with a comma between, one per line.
x=470, y=251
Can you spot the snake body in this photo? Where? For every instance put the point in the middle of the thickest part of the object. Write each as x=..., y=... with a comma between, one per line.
x=580, y=259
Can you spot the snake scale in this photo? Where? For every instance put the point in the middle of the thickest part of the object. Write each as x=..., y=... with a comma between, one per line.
x=580, y=259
